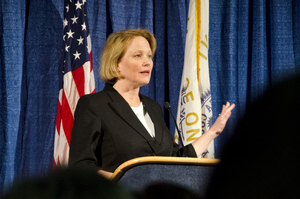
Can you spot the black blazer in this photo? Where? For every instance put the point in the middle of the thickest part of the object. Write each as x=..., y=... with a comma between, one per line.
x=106, y=132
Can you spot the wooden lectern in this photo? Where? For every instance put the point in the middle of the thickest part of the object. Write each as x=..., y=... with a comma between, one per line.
x=191, y=173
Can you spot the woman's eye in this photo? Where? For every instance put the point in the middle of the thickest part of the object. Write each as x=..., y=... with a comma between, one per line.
x=138, y=55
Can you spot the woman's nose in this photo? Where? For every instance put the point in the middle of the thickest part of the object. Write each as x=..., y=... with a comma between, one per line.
x=148, y=60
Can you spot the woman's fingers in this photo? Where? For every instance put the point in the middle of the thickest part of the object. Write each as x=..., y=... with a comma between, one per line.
x=227, y=108
x=221, y=121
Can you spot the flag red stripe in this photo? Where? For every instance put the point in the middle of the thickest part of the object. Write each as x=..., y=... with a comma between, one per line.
x=67, y=119
x=54, y=163
x=58, y=163
x=91, y=60
x=78, y=76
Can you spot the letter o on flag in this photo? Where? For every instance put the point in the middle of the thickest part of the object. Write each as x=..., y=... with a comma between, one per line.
x=189, y=120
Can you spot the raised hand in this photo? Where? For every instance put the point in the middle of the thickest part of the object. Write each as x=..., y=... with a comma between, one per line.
x=221, y=121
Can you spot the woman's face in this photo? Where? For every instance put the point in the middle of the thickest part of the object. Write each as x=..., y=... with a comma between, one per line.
x=136, y=65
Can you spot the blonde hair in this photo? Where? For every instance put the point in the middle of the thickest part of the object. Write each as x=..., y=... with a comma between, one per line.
x=115, y=48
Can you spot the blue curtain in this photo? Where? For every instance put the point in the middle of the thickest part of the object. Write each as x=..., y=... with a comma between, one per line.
x=252, y=45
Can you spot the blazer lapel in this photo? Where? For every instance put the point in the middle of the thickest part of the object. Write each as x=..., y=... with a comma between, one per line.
x=122, y=108
x=154, y=115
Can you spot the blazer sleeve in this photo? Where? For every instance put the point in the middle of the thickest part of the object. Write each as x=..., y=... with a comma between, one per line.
x=86, y=133
x=186, y=151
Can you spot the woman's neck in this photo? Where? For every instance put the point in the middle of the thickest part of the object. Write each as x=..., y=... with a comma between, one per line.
x=130, y=94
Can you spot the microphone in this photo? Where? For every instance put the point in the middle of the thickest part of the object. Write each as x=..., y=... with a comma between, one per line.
x=168, y=107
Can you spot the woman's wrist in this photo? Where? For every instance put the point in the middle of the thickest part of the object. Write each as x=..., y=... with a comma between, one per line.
x=212, y=133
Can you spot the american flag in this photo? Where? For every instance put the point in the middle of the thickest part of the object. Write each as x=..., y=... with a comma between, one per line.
x=76, y=77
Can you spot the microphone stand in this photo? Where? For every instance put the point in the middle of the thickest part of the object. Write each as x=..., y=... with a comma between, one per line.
x=168, y=107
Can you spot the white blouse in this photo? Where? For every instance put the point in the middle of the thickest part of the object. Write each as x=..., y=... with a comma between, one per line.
x=145, y=119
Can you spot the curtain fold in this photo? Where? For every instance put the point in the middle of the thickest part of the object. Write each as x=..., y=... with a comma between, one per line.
x=39, y=89
x=12, y=60
x=252, y=46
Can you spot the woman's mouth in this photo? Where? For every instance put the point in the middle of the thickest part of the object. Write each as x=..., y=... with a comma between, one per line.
x=146, y=72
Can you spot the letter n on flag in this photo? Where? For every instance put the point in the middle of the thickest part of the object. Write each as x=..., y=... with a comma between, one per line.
x=76, y=75
x=194, y=113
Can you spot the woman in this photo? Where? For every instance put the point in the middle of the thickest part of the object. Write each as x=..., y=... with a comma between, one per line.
x=118, y=123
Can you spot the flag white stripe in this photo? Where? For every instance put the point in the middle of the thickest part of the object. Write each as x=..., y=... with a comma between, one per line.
x=89, y=43
x=88, y=77
x=71, y=91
